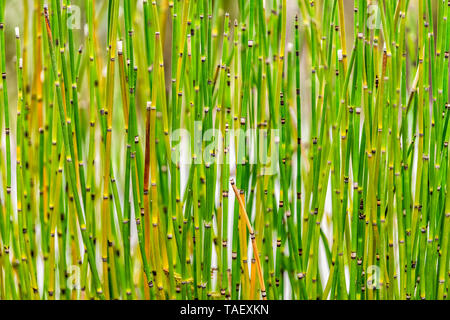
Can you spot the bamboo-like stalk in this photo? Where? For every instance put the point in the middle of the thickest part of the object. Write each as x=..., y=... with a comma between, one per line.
x=253, y=239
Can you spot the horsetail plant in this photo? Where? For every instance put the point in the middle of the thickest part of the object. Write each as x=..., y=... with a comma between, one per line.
x=200, y=149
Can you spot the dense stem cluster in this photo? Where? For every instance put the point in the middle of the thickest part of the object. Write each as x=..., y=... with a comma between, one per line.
x=174, y=150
